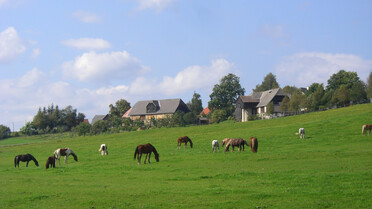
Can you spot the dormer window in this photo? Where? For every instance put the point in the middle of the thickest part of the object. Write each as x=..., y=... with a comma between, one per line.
x=152, y=107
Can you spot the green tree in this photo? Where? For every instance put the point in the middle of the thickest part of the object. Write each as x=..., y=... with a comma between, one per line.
x=83, y=129
x=343, y=77
x=312, y=88
x=290, y=89
x=4, y=132
x=225, y=94
x=284, y=105
x=358, y=93
x=40, y=120
x=341, y=96
x=316, y=97
x=195, y=105
x=121, y=107
x=100, y=126
x=270, y=108
x=190, y=118
x=69, y=117
x=219, y=115
x=369, y=86
x=297, y=101
x=268, y=83
x=29, y=129
x=177, y=118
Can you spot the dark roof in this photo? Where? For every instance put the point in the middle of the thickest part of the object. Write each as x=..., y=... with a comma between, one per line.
x=165, y=106
x=263, y=98
x=99, y=117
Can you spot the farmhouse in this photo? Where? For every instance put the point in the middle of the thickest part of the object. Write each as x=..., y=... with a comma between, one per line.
x=100, y=117
x=256, y=104
x=157, y=109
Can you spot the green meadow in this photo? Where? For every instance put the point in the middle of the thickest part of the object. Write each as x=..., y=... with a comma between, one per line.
x=331, y=168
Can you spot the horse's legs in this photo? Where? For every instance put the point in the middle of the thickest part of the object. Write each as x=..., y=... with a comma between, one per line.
x=139, y=158
x=145, y=158
x=27, y=163
x=149, y=156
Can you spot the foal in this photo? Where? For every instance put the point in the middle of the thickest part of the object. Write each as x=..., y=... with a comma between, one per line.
x=51, y=162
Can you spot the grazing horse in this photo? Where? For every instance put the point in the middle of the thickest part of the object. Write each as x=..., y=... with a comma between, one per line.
x=184, y=139
x=301, y=132
x=236, y=143
x=145, y=149
x=253, y=143
x=215, y=145
x=225, y=141
x=51, y=161
x=64, y=152
x=24, y=158
x=103, y=149
x=365, y=128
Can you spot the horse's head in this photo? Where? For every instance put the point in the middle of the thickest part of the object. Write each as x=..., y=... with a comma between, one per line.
x=157, y=157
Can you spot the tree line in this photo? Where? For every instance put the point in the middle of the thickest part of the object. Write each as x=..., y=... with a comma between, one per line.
x=343, y=88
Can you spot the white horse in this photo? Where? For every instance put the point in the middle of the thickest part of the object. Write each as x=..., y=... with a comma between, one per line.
x=64, y=152
x=103, y=149
x=215, y=145
x=301, y=132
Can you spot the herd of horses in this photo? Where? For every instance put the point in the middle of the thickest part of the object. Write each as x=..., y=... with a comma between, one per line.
x=149, y=148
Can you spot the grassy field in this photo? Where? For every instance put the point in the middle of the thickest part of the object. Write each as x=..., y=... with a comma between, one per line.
x=331, y=168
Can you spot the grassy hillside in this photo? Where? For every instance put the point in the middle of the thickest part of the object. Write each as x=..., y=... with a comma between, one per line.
x=331, y=168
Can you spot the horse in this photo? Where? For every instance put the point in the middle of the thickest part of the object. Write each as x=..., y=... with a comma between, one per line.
x=145, y=149
x=64, y=152
x=51, y=161
x=24, y=158
x=215, y=145
x=253, y=143
x=184, y=139
x=301, y=132
x=103, y=149
x=225, y=141
x=365, y=128
x=236, y=143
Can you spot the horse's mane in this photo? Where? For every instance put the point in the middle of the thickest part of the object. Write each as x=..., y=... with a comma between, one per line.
x=34, y=159
x=74, y=155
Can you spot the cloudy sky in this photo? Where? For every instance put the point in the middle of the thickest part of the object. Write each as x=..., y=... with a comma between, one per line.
x=91, y=53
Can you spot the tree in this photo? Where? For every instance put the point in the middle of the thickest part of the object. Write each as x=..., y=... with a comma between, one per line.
x=83, y=129
x=297, y=101
x=195, y=105
x=270, y=108
x=190, y=118
x=100, y=126
x=316, y=97
x=29, y=129
x=290, y=89
x=268, y=83
x=312, y=88
x=69, y=117
x=121, y=107
x=4, y=132
x=357, y=93
x=40, y=120
x=369, y=86
x=341, y=96
x=284, y=105
x=226, y=93
x=342, y=78
x=219, y=115
x=177, y=118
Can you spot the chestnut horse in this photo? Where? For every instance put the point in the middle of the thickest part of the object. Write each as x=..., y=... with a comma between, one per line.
x=253, y=143
x=365, y=128
x=145, y=149
x=236, y=143
x=184, y=140
x=51, y=161
x=64, y=152
x=24, y=158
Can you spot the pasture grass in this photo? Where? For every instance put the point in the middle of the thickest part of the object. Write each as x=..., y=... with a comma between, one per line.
x=331, y=168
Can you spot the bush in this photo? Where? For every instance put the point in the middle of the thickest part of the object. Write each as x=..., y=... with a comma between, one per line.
x=83, y=129
x=100, y=126
x=4, y=132
x=190, y=118
x=219, y=116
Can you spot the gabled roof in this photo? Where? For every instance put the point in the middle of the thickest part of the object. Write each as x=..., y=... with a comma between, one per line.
x=205, y=111
x=267, y=96
x=99, y=117
x=126, y=114
x=165, y=106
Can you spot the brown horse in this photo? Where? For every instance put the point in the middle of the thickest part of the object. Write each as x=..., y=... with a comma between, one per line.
x=24, y=158
x=365, y=128
x=51, y=161
x=184, y=140
x=145, y=149
x=225, y=141
x=236, y=143
x=253, y=143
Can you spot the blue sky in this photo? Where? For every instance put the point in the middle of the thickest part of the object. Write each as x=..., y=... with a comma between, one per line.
x=89, y=54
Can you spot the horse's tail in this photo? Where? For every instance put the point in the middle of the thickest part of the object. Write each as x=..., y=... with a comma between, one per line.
x=190, y=143
x=135, y=152
x=254, y=145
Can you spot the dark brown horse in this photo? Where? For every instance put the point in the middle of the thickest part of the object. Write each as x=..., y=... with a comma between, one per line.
x=24, y=158
x=236, y=143
x=145, y=149
x=253, y=143
x=184, y=140
x=51, y=161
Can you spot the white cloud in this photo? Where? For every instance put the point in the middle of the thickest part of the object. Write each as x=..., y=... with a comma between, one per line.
x=191, y=78
x=103, y=67
x=11, y=45
x=157, y=5
x=87, y=43
x=303, y=69
x=87, y=17
x=35, y=53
